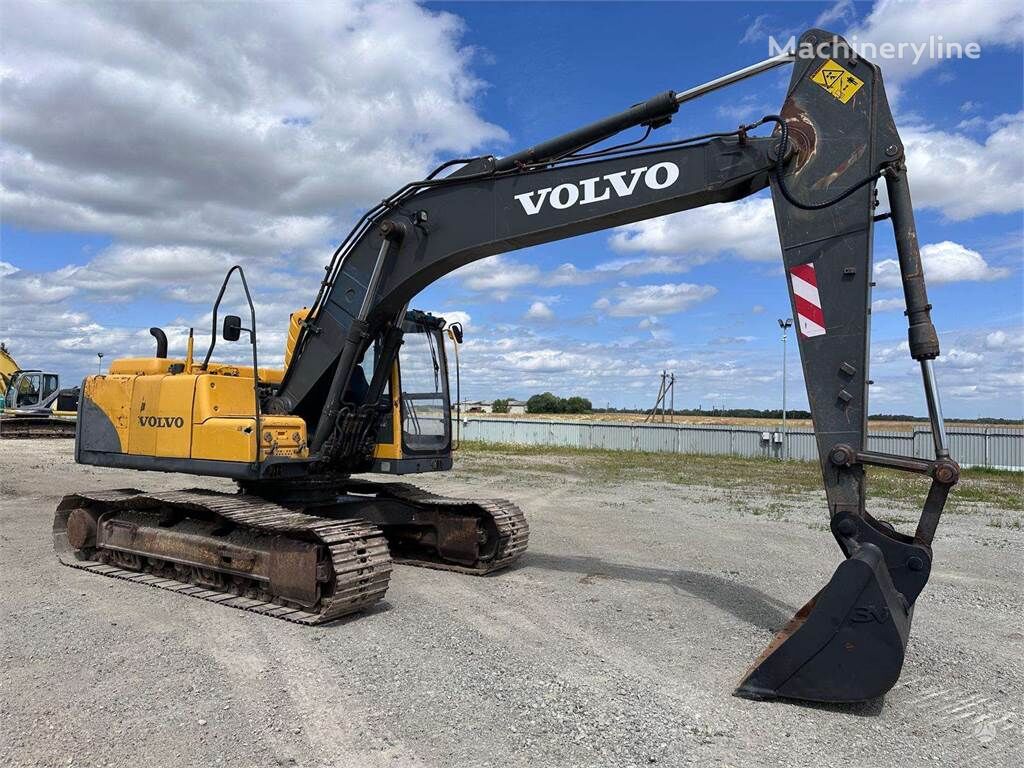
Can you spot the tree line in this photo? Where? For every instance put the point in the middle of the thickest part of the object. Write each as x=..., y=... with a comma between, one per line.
x=548, y=402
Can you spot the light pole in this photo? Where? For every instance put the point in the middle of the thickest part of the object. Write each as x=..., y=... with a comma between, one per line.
x=99, y=363
x=785, y=325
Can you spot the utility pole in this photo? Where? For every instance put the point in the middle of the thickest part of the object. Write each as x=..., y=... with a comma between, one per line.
x=672, y=407
x=785, y=325
x=668, y=381
x=664, y=391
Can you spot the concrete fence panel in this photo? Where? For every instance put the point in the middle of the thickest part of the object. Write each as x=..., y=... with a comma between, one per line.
x=996, y=447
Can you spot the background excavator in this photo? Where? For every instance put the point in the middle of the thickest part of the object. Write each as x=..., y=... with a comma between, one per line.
x=32, y=404
x=364, y=387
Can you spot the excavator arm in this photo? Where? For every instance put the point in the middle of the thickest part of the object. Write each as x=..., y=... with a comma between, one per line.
x=833, y=140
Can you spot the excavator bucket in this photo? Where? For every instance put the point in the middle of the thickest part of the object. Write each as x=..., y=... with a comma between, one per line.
x=845, y=645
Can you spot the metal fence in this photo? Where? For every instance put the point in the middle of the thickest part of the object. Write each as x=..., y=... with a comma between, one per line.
x=996, y=447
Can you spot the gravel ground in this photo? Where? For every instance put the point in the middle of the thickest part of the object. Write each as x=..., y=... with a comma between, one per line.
x=616, y=642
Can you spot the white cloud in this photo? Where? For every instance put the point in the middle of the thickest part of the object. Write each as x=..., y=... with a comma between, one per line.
x=731, y=340
x=945, y=262
x=545, y=361
x=1004, y=340
x=455, y=316
x=498, y=275
x=961, y=358
x=187, y=130
x=501, y=275
x=993, y=22
x=757, y=309
x=539, y=311
x=121, y=272
x=202, y=135
x=570, y=274
x=648, y=265
x=888, y=305
x=757, y=31
x=894, y=352
x=843, y=10
x=23, y=292
x=745, y=108
x=964, y=178
x=746, y=228
x=648, y=300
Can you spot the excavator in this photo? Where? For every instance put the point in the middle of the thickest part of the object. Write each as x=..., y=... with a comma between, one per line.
x=364, y=389
x=32, y=404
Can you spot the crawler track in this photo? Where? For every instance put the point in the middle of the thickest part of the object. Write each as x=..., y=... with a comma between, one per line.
x=358, y=552
x=27, y=427
x=509, y=520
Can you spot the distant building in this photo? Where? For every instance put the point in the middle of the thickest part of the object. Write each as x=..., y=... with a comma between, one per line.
x=487, y=406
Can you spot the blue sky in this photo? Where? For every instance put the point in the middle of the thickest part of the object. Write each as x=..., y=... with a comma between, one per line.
x=146, y=148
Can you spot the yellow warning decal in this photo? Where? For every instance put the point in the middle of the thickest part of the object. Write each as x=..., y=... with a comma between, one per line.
x=837, y=81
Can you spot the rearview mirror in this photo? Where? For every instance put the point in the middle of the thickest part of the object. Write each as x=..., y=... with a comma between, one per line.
x=232, y=328
x=456, y=332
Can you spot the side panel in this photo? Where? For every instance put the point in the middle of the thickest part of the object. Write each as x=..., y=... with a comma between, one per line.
x=105, y=413
x=233, y=438
x=224, y=439
x=161, y=422
x=220, y=396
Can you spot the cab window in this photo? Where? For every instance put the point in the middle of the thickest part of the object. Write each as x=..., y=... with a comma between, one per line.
x=28, y=390
x=426, y=416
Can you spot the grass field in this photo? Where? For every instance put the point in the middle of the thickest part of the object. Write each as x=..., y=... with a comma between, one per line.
x=875, y=426
x=753, y=478
x=892, y=426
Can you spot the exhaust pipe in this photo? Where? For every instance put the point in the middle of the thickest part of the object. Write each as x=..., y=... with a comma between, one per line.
x=161, y=341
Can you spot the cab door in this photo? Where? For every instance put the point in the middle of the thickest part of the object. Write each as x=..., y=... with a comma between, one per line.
x=415, y=435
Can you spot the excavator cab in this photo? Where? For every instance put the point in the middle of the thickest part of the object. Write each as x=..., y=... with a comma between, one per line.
x=31, y=389
x=416, y=433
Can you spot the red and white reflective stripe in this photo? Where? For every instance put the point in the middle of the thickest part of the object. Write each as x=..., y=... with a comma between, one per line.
x=811, y=319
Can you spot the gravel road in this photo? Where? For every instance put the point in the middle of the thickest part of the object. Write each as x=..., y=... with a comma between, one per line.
x=616, y=642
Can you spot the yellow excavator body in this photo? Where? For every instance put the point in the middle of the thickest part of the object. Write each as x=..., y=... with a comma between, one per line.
x=162, y=407
x=191, y=414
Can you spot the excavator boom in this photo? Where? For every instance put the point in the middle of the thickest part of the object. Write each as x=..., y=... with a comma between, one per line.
x=832, y=141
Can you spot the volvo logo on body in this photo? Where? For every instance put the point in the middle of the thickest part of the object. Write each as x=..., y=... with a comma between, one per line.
x=599, y=188
x=163, y=422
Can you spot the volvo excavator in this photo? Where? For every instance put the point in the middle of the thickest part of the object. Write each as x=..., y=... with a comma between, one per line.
x=364, y=388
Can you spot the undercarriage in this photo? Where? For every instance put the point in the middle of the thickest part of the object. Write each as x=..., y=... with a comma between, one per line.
x=32, y=427
x=308, y=563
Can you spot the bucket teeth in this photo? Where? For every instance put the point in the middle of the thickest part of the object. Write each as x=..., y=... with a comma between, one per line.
x=846, y=645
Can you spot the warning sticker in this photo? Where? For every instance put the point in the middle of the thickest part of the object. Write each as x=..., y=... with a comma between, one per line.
x=837, y=81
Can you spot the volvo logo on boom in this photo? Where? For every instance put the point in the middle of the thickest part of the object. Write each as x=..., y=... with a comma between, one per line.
x=164, y=422
x=599, y=188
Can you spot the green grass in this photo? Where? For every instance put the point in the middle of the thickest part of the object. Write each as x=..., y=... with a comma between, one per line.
x=997, y=488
